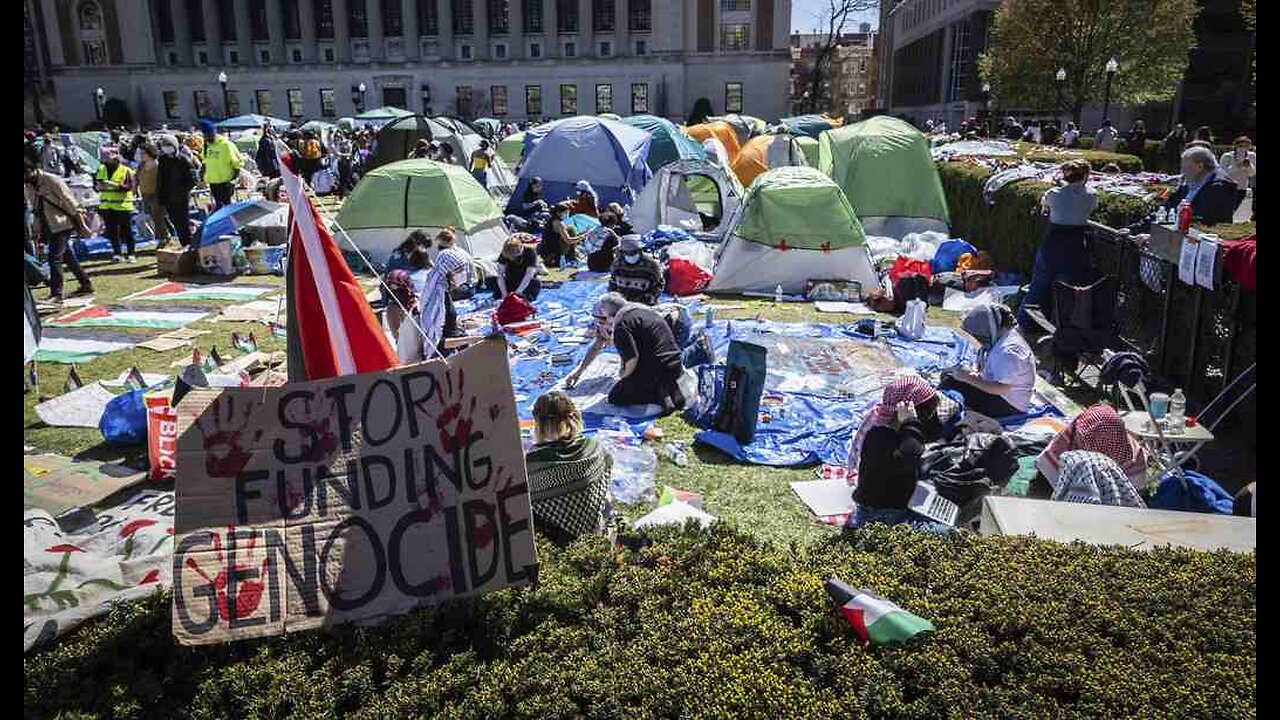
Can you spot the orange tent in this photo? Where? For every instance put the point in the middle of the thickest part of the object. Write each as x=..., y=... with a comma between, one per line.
x=765, y=152
x=721, y=131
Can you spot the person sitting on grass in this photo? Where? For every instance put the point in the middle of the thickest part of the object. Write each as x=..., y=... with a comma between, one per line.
x=1094, y=479
x=447, y=242
x=517, y=270
x=1099, y=429
x=585, y=201
x=886, y=452
x=636, y=274
x=651, y=358
x=559, y=242
x=1007, y=379
x=568, y=473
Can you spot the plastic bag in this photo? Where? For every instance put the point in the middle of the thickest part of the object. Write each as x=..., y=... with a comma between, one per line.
x=687, y=278
x=911, y=326
x=634, y=478
x=124, y=421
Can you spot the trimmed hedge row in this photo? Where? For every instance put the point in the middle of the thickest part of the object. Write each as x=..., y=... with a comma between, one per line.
x=1012, y=229
x=718, y=625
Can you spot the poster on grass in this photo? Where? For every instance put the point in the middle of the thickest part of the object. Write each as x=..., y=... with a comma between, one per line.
x=348, y=499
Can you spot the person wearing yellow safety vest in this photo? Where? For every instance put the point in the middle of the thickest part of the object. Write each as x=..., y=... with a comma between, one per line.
x=222, y=163
x=114, y=183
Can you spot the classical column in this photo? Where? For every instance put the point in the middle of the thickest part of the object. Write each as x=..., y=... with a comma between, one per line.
x=586, y=26
x=409, y=21
x=515, y=30
x=377, y=44
x=480, y=11
x=212, y=32
x=444, y=18
x=341, y=31
x=244, y=32
x=181, y=31
x=307, y=19
x=550, y=30
x=622, y=29
x=275, y=30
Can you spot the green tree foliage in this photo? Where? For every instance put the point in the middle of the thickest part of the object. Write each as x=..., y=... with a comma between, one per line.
x=1031, y=39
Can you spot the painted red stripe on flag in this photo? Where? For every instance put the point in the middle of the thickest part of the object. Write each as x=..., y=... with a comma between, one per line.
x=855, y=617
x=92, y=311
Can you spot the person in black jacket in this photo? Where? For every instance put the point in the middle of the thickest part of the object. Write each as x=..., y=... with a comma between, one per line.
x=174, y=180
x=265, y=156
x=1214, y=196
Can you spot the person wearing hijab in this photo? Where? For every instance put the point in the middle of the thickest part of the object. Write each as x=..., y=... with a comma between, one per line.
x=439, y=321
x=1094, y=479
x=1099, y=430
x=585, y=202
x=1007, y=378
x=886, y=453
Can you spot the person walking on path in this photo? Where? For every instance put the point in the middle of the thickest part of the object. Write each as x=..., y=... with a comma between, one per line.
x=55, y=214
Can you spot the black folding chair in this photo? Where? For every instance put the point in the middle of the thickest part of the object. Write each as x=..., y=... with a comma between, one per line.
x=1080, y=326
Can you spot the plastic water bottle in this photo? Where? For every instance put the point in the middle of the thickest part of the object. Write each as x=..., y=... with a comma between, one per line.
x=1159, y=215
x=706, y=317
x=676, y=455
x=777, y=294
x=1177, y=412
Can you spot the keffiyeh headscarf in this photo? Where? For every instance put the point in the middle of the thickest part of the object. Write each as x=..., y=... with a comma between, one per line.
x=1094, y=478
x=909, y=388
x=1099, y=430
x=434, y=288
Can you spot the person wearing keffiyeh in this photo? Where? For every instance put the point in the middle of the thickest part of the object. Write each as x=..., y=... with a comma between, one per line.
x=1096, y=479
x=1100, y=430
x=438, y=318
x=910, y=388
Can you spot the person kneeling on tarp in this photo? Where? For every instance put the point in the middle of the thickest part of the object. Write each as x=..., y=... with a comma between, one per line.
x=1008, y=365
x=568, y=473
x=651, y=365
x=886, y=452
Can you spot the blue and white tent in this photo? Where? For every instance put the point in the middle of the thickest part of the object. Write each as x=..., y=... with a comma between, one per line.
x=252, y=122
x=608, y=154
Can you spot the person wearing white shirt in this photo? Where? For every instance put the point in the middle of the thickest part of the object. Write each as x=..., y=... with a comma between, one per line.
x=1241, y=164
x=1007, y=379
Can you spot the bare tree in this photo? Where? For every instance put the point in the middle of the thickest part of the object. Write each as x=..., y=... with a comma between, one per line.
x=834, y=18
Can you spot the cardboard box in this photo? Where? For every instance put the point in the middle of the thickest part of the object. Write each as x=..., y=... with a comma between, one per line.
x=176, y=262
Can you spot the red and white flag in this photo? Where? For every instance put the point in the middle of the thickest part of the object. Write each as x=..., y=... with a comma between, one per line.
x=330, y=320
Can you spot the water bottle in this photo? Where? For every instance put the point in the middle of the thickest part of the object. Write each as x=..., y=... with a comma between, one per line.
x=1160, y=215
x=676, y=455
x=777, y=294
x=706, y=317
x=1177, y=412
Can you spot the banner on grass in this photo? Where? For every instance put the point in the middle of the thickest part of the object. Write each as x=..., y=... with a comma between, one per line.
x=348, y=499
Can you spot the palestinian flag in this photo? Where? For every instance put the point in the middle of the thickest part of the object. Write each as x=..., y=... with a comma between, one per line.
x=176, y=291
x=102, y=316
x=875, y=619
x=31, y=331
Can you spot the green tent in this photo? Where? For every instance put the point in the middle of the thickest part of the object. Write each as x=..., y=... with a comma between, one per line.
x=247, y=143
x=511, y=148
x=884, y=167
x=380, y=116
x=801, y=207
x=810, y=148
x=395, y=199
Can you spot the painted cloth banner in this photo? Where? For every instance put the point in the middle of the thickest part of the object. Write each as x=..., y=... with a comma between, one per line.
x=70, y=577
x=348, y=499
x=102, y=316
x=75, y=351
x=183, y=292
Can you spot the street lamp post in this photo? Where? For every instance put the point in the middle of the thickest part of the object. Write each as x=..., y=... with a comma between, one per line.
x=986, y=106
x=97, y=103
x=226, y=101
x=1112, y=68
x=1060, y=78
x=361, y=87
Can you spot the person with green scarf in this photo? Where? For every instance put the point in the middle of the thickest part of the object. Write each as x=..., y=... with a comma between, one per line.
x=568, y=473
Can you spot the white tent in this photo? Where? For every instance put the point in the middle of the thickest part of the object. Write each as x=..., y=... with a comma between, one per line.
x=680, y=191
x=794, y=225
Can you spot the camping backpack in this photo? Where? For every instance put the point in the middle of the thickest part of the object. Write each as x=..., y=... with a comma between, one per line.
x=744, y=377
x=909, y=286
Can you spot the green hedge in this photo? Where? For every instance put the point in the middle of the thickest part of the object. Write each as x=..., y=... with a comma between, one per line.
x=1012, y=229
x=718, y=625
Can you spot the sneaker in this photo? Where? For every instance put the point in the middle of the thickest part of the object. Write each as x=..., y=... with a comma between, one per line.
x=133, y=258
x=83, y=290
x=54, y=300
x=116, y=259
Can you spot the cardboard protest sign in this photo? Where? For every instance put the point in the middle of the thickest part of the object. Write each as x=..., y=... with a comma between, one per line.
x=56, y=484
x=348, y=499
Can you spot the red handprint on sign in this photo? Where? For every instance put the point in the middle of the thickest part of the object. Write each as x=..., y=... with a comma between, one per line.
x=248, y=592
x=223, y=425
x=454, y=423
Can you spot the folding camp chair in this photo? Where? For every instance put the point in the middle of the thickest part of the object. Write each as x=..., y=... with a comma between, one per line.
x=1079, y=328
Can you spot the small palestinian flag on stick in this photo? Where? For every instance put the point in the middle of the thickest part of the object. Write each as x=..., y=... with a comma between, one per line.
x=875, y=619
x=215, y=357
x=134, y=380
x=73, y=381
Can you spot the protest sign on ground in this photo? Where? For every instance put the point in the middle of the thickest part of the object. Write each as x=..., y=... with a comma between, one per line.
x=348, y=499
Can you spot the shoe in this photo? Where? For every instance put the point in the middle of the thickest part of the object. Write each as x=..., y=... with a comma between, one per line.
x=83, y=290
x=116, y=259
x=133, y=258
x=55, y=300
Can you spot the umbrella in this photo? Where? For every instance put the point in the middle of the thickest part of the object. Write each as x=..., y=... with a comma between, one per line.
x=235, y=216
x=252, y=122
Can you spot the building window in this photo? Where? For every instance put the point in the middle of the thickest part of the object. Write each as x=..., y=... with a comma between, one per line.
x=171, y=109
x=328, y=55
x=498, y=97
x=264, y=57
x=395, y=96
x=173, y=58
x=604, y=98
x=165, y=11
x=959, y=61
x=227, y=19
x=500, y=52
x=263, y=99
x=535, y=50
x=466, y=52
x=568, y=99
x=258, y=27
x=295, y=102
x=324, y=18
x=532, y=15
x=499, y=17
x=327, y=108
x=91, y=39
x=639, y=98
x=566, y=16
x=641, y=47
x=735, y=5
x=201, y=102
x=602, y=12
x=233, y=103
x=195, y=19
x=570, y=50
x=357, y=19
x=733, y=36
x=532, y=100
x=733, y=97
x=233, y=57
x=428, y=18
x=392, y=19
x=202, y=57
x=640, y=15
x=292, y=23
x=464, y=22
x=606, y=49
x=465, y=104
x=296, y=55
